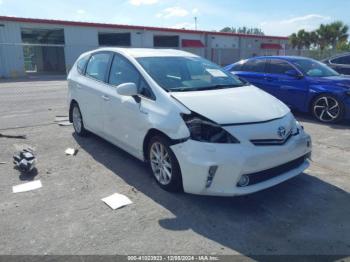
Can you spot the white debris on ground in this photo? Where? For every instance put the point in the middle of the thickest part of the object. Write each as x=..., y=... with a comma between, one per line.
x=71, y=151
x=65, y=123
x=62, y=121
x=27, y=186
x=116, y=201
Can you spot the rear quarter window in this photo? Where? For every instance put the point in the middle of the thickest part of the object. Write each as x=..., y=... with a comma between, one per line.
x=81, y=64
x=343, y=60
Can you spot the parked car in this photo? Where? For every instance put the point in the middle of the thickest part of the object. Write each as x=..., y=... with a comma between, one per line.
x=303, y=84
x=340, y=63
x=199, y=128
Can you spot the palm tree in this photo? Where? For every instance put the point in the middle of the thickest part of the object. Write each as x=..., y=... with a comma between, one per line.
x=301, y=40
x=325, y=36
x=339, y=33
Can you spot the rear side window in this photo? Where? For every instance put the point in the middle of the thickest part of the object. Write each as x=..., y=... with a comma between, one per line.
x=237, y=67
x=279, y=67
x=81, y=64
x=343, y=60
x=254, y=65
x=98, y=65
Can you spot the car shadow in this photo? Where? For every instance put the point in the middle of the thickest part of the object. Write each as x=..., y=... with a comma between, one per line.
x=304, y=216
x=345, y=124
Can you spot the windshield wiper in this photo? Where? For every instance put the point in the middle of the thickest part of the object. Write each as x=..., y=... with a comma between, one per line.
x=202, y=88
x=220, y=86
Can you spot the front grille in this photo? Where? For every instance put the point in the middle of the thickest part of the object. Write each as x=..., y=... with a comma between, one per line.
x=274, y=142
x=261, y=176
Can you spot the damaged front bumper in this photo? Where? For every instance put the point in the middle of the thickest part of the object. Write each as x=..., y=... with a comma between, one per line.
x=229, y=162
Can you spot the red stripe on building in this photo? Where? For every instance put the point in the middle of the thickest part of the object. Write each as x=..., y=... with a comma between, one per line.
x=271, y=46
x=192, y=43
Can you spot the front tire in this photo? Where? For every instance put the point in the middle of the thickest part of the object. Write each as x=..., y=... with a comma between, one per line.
x=164, y=165
x=77, y=120
x=327, y=109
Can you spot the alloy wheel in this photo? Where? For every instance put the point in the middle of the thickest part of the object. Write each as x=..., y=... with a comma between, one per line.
x=161, y=163
x=77, y=119
x=327, y=109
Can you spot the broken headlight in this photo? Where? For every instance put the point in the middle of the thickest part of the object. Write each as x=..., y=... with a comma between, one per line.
x=204, y=130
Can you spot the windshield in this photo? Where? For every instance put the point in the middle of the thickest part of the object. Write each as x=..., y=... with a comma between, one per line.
x=314, y=68
x=187, y=73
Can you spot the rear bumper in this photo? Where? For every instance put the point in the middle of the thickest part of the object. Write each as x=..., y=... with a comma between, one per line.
x=233, y=161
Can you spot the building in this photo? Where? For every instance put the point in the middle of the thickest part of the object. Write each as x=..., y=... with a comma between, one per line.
x=51, y=46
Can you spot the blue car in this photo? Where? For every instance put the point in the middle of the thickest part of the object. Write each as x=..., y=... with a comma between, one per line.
x=303, y=84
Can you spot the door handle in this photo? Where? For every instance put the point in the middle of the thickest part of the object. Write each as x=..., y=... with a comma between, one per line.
x=105, y=98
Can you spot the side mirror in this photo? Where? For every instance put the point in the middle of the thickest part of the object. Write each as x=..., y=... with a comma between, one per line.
x=127, y=89
x=294, y=73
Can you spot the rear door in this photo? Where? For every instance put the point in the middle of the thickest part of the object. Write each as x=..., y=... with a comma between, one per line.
x=289, y=89
x=341, y=64
x=91, y=91
x=253, y=70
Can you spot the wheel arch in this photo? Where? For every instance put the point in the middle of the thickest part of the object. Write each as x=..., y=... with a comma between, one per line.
x=156, y=132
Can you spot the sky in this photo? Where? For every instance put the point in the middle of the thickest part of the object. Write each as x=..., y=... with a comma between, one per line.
x=274, y=17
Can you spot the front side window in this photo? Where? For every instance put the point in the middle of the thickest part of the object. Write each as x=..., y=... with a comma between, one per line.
x=122, y=71
x=98, y=65
x=313, y=68
x=254, y=65
x=278, y=67
x=187, y=73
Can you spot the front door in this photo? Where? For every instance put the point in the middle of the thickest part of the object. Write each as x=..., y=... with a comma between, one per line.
x=289, y=89
x=126, y=118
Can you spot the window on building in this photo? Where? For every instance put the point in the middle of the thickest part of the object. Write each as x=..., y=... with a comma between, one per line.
x=98, y=65
x=279, y=67
x=166, y=41
x=254, y=65
x=42, y=36
x=343, y=60
x=114, y=39
x=122, y=71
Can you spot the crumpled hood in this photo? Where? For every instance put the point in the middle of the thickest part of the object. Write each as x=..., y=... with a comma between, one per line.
x=233, y=105
x=342, y=80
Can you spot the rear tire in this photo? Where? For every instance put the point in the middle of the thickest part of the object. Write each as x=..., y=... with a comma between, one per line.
x=164, y=165
x=327, y=109
x=77, y=120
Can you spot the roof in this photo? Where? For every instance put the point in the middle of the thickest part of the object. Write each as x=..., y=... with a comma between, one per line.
x=147, y=52
x=135, y=27
x=283, y=57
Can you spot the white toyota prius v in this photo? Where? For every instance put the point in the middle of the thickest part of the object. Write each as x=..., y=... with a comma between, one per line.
x=199, y=128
